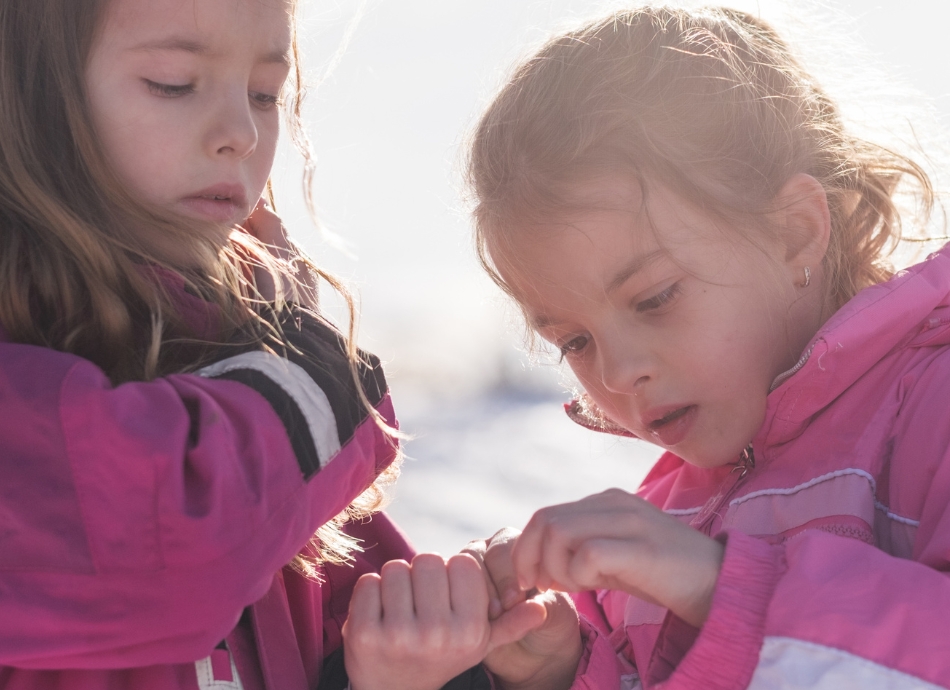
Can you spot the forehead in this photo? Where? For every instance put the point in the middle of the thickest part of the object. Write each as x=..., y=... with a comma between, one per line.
x=214, y=27
x=614, y=229
x=594, y=215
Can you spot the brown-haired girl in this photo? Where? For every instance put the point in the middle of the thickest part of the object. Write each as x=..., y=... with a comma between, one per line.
x=677, y=207
x=176, y=419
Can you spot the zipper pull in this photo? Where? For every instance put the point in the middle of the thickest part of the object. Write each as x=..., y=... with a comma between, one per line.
x=746, y=461
x=705, y=518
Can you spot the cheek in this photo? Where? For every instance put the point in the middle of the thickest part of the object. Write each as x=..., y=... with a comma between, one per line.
x=594, y=387
x=268, y=134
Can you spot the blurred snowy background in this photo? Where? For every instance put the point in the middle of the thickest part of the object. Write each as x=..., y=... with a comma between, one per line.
x=407, y=79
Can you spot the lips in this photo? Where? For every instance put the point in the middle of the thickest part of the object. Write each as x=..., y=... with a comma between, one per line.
x=220, y=203
x=670, y=425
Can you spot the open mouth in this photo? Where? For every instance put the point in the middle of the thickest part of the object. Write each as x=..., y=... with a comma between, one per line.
x=219, y=207
x=673, y=427
x=671, y=417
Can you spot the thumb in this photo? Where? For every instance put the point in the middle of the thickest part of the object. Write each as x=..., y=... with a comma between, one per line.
x=516, y=622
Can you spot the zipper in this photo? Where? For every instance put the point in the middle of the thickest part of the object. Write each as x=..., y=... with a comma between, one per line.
x=707, y=516
x=786, y=375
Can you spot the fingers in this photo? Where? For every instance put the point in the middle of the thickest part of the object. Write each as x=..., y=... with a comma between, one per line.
x=417, y=625
x=537, y=638
x=266, y=226
x=428, y=595
x=468, y=592
x=514, y=624
x=494, y=555
x=429, y=588
x=366, y=602
x=544, y=554
x=615, y=540
x=499, y=564
x=476, y=549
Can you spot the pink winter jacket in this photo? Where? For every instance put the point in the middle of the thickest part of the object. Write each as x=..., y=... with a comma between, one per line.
x=837, y=541
x=144, y=527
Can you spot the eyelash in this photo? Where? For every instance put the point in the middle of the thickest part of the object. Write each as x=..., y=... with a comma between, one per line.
x=569, y=348
x=266, y=101
x=169, y=90
x=261, y=100
x=659, y=300
x=656, y=302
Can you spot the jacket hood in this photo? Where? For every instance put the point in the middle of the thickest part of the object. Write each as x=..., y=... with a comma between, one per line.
x=912, y=308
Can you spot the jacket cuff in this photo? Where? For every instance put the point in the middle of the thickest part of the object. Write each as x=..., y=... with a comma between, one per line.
x=726, y=650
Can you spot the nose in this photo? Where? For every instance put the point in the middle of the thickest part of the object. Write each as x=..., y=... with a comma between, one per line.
x=625, y=367
x=233, y=131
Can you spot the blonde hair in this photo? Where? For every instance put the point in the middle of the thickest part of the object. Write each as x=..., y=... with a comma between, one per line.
x=710, y=103
x=74, y=243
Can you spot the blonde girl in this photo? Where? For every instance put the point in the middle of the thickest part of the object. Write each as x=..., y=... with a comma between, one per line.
x=677, y=207
x=177, y=420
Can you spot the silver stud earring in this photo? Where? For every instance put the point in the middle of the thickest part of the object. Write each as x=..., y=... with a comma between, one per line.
x=807, y=277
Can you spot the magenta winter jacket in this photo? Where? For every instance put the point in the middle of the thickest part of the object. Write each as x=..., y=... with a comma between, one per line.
x=144, y=527
x=837, y=560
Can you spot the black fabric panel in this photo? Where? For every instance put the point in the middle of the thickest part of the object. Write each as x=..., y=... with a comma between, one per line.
x=318, y=348
x=333, y=676
x=476, y=678
x=289, y=412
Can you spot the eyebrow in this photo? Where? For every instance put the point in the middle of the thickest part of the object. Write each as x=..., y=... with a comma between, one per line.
x=198, y=48
x=634, y=266
x=621, y=277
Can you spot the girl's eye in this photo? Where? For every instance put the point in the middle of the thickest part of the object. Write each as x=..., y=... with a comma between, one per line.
x=660, y=299
x=169, y=90
x=573, y=346
x=265, y=101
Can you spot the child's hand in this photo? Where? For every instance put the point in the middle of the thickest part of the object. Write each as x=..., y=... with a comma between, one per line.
x=615, y=540
x=266, y=226
x=544, y=630
x=415, y=627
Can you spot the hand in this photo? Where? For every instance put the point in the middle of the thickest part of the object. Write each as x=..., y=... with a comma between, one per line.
x=415, y=627
x=544, y=629
x=615, y=540
x=266, y=226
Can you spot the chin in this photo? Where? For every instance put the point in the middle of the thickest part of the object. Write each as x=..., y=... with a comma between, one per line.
x=709, y=461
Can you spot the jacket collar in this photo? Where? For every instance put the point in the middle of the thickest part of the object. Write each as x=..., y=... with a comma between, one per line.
x=911, y=308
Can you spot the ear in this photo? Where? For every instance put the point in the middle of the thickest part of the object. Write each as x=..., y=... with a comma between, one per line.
x=804, y=222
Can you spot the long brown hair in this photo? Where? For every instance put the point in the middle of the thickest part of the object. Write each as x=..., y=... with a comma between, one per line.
x=74, y=241
x=711, y=103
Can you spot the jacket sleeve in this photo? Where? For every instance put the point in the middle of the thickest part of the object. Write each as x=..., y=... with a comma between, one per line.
x=825, y=611
x=822, y=611
x=137, y=521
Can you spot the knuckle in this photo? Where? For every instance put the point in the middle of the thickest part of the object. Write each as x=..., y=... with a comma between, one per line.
x=504, y=534
x=476, y=547
x=619, y=496
x=428, y=563
x=391, y=567
x=462, y=563
x=402, y=640
x=434, y=639
x=361, y=639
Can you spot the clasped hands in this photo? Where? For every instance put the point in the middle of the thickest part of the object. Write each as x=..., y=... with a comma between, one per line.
x=503, y=600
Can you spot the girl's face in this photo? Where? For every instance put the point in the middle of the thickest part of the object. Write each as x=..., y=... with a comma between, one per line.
x=184, y=98
x=675, y=328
